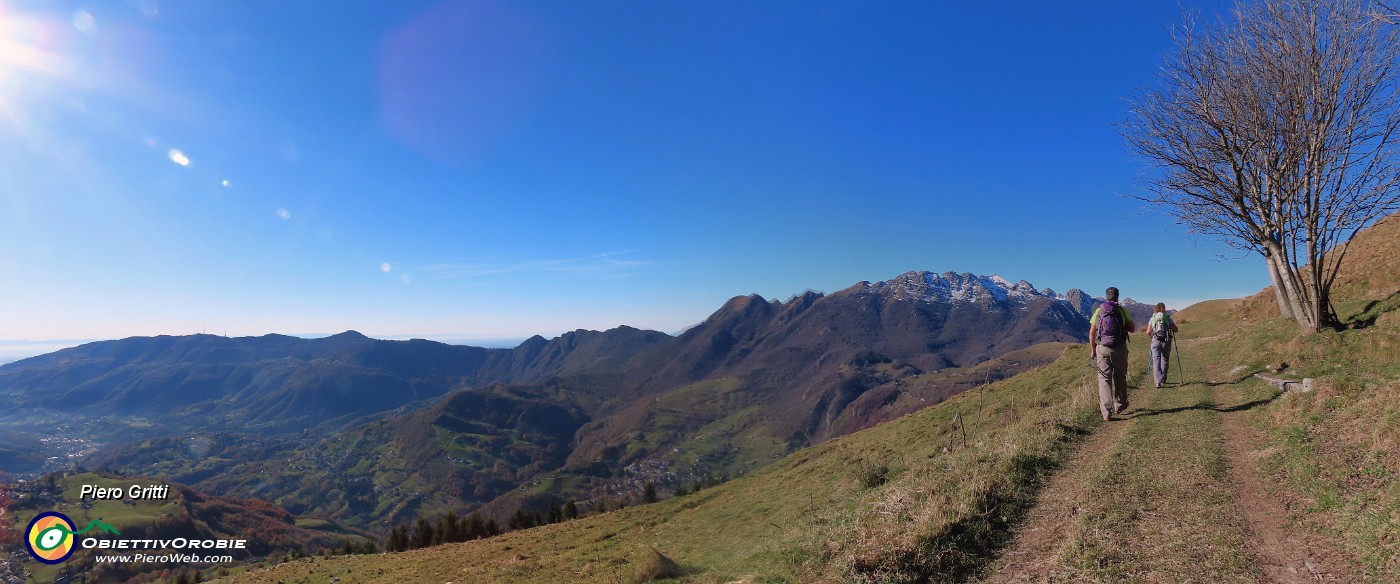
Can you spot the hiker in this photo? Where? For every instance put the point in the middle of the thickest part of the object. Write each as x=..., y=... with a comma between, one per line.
x=1108, y=337
x=1162, y=328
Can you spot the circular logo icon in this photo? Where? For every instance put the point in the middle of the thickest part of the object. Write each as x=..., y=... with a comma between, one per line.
x=50, y=537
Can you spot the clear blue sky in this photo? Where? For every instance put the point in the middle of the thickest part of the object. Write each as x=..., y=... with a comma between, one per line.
x=491, y=170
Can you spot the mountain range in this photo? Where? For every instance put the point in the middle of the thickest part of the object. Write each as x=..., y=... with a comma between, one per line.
x=1020, y=480
x=376, y=432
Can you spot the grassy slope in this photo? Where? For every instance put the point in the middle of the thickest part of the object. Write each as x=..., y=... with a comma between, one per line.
x=717, y=428
x=811, y=516
x=1161, y=503
x=1161, y=506
x=1158, y=506
x=1334, y=453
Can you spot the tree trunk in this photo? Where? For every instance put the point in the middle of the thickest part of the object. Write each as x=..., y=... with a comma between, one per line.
x=1321, y=306
x=1283, y=305
x=1294, y=302
x=1322, y=321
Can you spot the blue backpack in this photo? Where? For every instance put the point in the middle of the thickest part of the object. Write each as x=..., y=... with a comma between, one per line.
x=1111, y=330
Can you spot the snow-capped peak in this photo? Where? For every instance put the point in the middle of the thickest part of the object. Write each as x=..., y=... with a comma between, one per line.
x=954, y=287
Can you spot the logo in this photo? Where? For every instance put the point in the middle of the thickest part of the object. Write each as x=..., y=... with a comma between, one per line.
x=50, y=537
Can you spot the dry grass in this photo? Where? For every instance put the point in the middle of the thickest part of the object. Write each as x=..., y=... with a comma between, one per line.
x=1336, y=450
x=942, y=510
x=1208, y=310
x=653, y=565
x=1157, y=509
x=948, y=511
x=1372, y=264
x=1161, y=508
x=1334, y=454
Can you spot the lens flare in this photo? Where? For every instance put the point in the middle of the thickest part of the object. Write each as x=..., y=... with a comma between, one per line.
x=83, y=20
x=31, y=65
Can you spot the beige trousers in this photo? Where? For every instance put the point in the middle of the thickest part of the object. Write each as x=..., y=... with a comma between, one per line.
x=1113, y=378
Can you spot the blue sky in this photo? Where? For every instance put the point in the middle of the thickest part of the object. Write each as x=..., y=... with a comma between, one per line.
x=490, y=170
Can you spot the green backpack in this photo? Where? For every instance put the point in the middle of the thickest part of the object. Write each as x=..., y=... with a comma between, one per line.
x=1161, y=328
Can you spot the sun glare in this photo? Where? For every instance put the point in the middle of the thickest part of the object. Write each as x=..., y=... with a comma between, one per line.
x=29, y=62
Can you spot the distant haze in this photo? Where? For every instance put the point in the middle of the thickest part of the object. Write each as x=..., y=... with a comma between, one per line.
x=14, y=350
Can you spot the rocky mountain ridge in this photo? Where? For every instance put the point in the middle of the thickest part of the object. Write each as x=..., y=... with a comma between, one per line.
x=788, y=373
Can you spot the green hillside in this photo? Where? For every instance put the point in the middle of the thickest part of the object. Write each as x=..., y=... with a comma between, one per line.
x=721, y=428
x=906, y=496
x=1223, y=474
x=1231, y=476
x=463, y=450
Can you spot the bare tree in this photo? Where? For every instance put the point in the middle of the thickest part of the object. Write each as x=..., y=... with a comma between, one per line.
x=1278, y=133
x=1388, y=12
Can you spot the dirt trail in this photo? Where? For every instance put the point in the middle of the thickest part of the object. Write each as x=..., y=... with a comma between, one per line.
x=1279, y=551
x=1285, y=553
x=1033, y=552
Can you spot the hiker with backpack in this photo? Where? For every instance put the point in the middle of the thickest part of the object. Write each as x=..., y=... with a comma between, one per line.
x=1162, y=329
x=1108, y=335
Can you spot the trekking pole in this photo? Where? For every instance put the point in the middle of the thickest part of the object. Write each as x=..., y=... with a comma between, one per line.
x=1180, y=373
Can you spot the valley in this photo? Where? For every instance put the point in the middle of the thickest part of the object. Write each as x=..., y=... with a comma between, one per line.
x=403, y=428
x=372, y=434
x=1019, y=481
